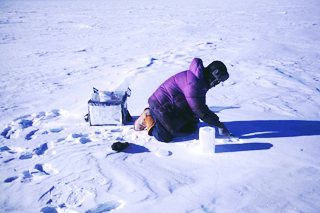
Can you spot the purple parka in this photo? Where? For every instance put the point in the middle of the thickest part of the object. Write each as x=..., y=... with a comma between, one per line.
x=182, y=99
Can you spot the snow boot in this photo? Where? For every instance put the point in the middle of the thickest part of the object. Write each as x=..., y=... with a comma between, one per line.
x=144, y=122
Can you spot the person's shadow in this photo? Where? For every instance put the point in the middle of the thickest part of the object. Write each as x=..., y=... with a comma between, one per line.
x=255, y=129
x=259, y=129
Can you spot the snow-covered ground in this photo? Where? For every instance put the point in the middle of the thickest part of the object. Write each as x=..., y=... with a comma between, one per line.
x=53, y=52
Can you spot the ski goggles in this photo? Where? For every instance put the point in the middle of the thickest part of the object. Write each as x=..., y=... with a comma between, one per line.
x=216, y=77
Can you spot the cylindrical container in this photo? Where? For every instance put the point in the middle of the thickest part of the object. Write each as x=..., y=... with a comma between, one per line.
x=207, y=139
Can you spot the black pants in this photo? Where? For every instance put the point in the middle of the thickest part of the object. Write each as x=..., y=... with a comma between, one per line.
x=159, y=132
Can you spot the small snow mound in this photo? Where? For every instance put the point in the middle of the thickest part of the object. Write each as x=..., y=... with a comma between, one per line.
x=163, y=153
x=46, y=168
x=84, y=26
x=39, y=115
x=16, y=149
x=53, y=113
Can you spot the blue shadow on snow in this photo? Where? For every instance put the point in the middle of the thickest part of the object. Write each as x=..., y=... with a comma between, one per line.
x=242, y=147
x=217, y=109
x=263, y=129
x=134, y=149
x=259, y=129
x=273, y=128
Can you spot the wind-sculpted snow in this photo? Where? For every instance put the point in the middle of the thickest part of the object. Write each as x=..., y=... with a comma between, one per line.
x=108, y=206
x=52, y=53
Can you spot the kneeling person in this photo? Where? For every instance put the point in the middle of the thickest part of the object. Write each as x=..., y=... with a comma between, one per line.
x=180, y=101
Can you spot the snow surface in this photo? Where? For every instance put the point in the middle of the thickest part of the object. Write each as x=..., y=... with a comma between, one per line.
x=53, y=52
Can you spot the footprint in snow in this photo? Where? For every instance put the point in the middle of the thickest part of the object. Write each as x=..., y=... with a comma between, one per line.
x=6, y=132
x=64, y=195
x=108, y=206
x=49, y=210
x=80, y=137
x=9, y=150
x=26, y=156
x=39, y=171
x=57, y=130
x=30, y=134
x=116, y=130
x=45, y=169
x=37, y=151
x=77, y=197
x=18, y=125
x=4, y=148
x=10, y=179
x=7, y=161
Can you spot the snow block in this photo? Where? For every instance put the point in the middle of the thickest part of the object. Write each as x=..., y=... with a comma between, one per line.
x=113, y=111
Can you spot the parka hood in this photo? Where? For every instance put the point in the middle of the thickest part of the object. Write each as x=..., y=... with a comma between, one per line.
x=196, y=67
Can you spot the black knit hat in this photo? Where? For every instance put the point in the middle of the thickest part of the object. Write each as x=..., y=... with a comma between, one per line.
x=215, y=73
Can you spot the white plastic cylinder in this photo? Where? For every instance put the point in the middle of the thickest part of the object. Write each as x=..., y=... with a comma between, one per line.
x=207, y=139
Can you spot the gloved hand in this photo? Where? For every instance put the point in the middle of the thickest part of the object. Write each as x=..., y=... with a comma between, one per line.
x=223, y=130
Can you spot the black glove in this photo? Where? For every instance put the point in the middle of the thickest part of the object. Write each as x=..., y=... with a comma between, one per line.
x=118, y=146
x=223, y=131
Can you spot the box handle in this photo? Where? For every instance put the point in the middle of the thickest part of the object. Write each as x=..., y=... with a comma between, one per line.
x=128, y=92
